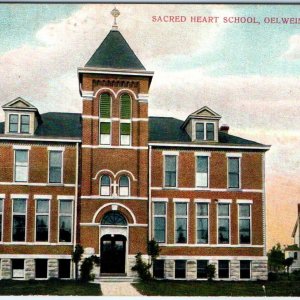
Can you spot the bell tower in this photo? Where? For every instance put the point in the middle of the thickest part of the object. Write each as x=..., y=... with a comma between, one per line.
x=114, y=87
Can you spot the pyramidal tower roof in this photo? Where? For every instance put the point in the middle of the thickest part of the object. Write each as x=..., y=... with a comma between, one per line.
x=114, y=52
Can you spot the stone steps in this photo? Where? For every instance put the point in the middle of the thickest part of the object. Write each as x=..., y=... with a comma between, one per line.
x=115, y=279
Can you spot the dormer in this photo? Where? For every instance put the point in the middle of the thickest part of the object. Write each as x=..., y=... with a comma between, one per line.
x=21, y=117
x=202, y=125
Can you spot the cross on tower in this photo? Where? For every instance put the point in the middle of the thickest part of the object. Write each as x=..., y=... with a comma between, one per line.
x=115, y=13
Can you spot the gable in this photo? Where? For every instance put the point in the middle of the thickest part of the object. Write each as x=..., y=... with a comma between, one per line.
x=205, y=112
x=19, y=103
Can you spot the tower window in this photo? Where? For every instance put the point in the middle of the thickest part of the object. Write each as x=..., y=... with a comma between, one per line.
x=124, y=186
x=105, y=124
x=105, y=189
x=125, y=107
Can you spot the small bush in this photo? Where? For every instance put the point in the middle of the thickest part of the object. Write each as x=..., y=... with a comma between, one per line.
x=272, y=276
x=296, y=275
x=141, y=268
x=87, y=267
x=211, y=271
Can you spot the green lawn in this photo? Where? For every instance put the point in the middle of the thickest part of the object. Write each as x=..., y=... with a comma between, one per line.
x=218, y=288
x=48, y=287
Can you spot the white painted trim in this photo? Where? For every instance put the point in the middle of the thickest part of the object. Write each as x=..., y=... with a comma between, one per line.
x=114, y=119
x=113, y=197
x=181, y=217
x=53, y=148
x=233, y=154
x=199, y=200
x=158, y=188
x=19, y=196
x=244, y=218
x=22, y=164
x=202, y=217
x=170, y=153
x=21, y=147
x=207, y=174
x=188, y=257
x=244, y=201
x=19, y=214
x=66, y=197
x=181, y=200
x=39, y=139
x=160, y=199
x=143, y=97
x=115, y=147
x=61, y=150
x=46, y=256
x=97, y=225
x=113, y=203
x=43, y=214
x=115, y=175
x=240, y=173
x=224, y=201
x=63, y=198
x=208, y=146
x=47, y=197
x=202, y=154
x=38, y=184
x=36, y=244
x=2, y=196
x=87, y=94
x=101, y=71
x=165, y=216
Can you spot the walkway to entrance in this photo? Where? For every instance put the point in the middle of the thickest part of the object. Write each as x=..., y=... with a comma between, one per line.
x=118, y=289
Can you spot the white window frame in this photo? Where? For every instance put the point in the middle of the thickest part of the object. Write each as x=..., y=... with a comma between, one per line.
x=181, y=217
x=22, y=164
x=170, y=153
x=250, y=270
x=205, y=130
x=239, y=157
x=13, y=198
x=100, y=186
x=42, y=214
x=161, y=216
x=71, y=199
x=125, y=121
x=129, y=186
x=224, y=217
x=12, y=270
x=174, y=276
x=61, y=150
x=202, y=217
x=244, y=218
x=202, y=154
x=2, y=222
x=105, y=120
x=19, y=123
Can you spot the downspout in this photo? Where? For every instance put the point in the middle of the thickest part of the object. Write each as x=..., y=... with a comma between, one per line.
x=264, y=204
x=76, y=202
x=149, y=193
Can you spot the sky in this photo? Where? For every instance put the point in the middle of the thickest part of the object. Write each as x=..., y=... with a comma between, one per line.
x=248, y=73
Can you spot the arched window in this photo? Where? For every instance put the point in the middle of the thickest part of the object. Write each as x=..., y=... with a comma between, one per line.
x=113, y=218
x=125, y=116
x=124, y=186
x=105, y=185
x=105, y=113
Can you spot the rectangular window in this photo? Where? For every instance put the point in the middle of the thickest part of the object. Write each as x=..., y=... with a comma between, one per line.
x=13, y=123
x=223, y=223
x=21, y=165
x=223, y=269
x=24, y=124
x=181, y=223
x=202, y=171
x=202, y=223
x=210, y=131
x=295, y=255
x=245, y=223
x=170, y=170
x=64, y=268
x=65, y=220
x=42, y=220
x=19, y=220
x=160, y=222
x=1, y=217
x=200, y=131
x=17, y=266
x=105, y=133
x=159, y=268
x=245, y=269
x=41, y=268
x=202, y=268
x=55, y=166
x=180, y=268
x=125, y=134
x=233, y=172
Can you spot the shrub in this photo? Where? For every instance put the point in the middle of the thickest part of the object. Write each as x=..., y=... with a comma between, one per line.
x=296, y=275
x=141, y=268
x=272, y=276
x=211, y=270
x=87, y=266
x=76, y=257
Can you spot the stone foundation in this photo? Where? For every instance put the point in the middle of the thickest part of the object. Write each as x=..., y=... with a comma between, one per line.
x=6, y=268
x=29, y=266
x=53, y=268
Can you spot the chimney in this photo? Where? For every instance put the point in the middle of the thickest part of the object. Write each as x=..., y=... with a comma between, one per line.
x=224, y=128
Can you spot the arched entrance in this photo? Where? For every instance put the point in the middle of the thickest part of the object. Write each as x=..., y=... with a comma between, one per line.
x=113, y=246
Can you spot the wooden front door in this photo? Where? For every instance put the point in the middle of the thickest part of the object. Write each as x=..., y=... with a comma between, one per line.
x=113, y=251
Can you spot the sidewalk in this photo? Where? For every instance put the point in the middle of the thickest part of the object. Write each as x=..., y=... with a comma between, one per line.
x=118, y=289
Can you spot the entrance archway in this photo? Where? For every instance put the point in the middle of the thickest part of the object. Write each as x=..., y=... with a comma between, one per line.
x=113, y=246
